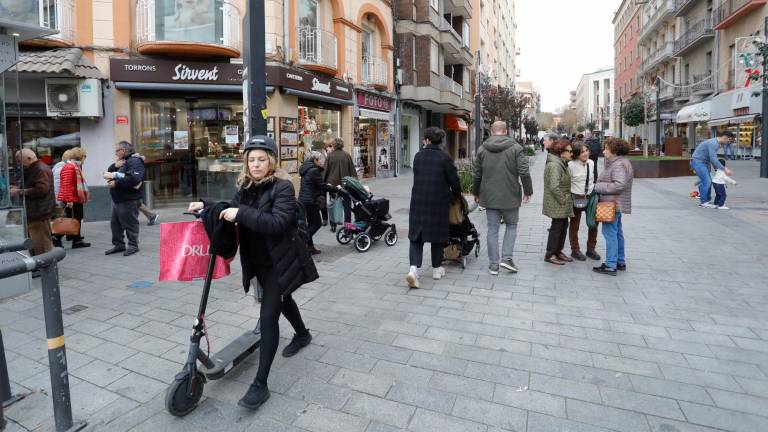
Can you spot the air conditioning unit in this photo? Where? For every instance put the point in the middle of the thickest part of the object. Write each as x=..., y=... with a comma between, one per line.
x=72, y=97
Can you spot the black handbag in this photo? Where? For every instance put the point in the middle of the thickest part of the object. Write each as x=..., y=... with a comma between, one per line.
x=582, y=203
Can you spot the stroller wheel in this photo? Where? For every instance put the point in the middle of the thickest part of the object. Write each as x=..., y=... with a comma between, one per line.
x=390, y=237
x=344, y=236
x=363, y=242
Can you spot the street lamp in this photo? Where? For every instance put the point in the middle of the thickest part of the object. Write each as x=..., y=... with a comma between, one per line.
x=764, y=135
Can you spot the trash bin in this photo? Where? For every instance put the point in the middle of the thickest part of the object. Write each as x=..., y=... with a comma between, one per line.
x=149, y=194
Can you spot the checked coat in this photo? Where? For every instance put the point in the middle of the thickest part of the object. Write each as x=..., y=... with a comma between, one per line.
x=435, y=183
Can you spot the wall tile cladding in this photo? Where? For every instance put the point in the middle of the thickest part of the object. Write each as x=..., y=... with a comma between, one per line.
x=423, y=51
x=405, y=47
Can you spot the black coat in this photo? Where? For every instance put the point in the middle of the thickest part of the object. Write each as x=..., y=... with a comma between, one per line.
x=268, y=239
x=594, y=152
x=311, y=183
x=435, y=183
x=126, y=188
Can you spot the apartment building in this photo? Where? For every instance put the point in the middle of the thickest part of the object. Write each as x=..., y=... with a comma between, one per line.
x=493, y=26
x=627, y=28
x=594, y=101
x=433, y=52
x=506, y=23
x=168, y=78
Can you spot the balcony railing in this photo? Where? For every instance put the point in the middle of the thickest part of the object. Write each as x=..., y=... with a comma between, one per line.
x=667, y=91
x=447, y=84
x=703, y=83
x=219, y=24
x=682, y=92
x=317, y=47
x=56, y=15
x=660, y=55
x=651, y=21
x=682, y=5
x=374, y=71
x=696, y=32
x=727, y=8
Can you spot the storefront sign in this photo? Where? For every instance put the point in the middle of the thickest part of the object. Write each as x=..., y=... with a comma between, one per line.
x=169, y=71
x=121, y=119
x=306, y=81
x=374, y=101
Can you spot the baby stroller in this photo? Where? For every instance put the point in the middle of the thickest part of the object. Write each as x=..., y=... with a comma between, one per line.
x=463, y=236
x=370, y=217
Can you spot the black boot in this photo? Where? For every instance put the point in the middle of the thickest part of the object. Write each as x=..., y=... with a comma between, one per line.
x=297, y=343
x=256, y=395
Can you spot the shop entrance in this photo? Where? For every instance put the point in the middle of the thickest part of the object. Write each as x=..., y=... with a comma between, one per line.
x=191, y=147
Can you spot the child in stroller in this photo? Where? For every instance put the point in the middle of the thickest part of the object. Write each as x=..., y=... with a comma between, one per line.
x=463, y=235
x=370, y=217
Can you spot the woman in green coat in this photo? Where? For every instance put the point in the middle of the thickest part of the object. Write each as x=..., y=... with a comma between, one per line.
x=558, y=203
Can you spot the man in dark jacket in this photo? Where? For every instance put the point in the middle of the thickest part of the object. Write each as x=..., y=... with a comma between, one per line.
x=39, y=201
x=339, y=165
x=125, y=178
x=500, y=168
x=310, y=192
x=595, y=149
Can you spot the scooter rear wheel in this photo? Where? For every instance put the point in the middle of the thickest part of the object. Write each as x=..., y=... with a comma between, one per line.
x=178, y=401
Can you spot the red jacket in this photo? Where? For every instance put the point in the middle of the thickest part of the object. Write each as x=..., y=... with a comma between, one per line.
x=68, y=185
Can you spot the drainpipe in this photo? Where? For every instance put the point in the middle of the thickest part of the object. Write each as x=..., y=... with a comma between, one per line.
x=286, y=39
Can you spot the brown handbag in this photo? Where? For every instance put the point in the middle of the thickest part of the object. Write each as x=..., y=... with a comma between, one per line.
x=605, y=212
x=65, y=226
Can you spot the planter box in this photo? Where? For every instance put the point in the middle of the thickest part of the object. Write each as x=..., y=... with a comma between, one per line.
x=660, y=168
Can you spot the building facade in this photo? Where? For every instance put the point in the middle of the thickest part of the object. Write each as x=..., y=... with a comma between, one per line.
x=433, y=40
x=626, y=30
x=494, y=26
x=169, y=80
x=594, y=101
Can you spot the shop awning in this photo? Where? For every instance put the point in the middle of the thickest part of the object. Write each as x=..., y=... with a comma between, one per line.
x=373, y=114
x=222, y=88
x=698, y=112
x=455, y=123
x=733, y=120
x=66, y=61
x=313, y=96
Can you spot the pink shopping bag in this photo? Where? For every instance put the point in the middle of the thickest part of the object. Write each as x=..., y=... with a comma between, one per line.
x=184, y=253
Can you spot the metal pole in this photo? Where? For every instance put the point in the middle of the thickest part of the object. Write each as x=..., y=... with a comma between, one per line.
x=478, y=101
x=658, y=116
x=621, y=118
x=764, y=135
x=257, y=69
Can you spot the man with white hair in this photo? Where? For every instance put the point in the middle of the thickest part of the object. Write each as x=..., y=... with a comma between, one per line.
x=125, y=178
x=39, y=201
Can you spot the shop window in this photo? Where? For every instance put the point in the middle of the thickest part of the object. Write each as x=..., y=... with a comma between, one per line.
x=200, y=22
x=316, y=124
x=49, y=137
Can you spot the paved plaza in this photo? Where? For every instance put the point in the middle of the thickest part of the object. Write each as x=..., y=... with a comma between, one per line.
x=678, y=343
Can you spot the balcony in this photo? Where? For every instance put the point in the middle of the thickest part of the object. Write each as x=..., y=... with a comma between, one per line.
x=682, y=93
x=667, y=92
x=731, y=11
x=317, y=50
x=697, y=32
x=656, y=58
x=214, y=32
x=454, y=46
x=58, y=15
x=683, y=6
x=652, y=21
x=459, y=8
x=375, y=71
x=703, y=84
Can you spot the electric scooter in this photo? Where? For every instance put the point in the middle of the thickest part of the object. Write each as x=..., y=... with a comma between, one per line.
x=187, y=387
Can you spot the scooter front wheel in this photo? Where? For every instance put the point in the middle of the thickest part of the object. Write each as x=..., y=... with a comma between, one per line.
x=180, y=399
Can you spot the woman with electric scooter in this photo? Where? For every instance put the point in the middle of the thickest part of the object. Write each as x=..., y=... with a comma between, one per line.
x=272, y=253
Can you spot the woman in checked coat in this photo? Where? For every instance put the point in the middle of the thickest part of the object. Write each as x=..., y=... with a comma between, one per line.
x=435, y=184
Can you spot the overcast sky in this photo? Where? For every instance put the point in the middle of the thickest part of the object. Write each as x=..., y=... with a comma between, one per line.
x=559, y=41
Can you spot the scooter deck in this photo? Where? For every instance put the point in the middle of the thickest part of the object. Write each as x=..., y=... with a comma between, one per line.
x=232, y=354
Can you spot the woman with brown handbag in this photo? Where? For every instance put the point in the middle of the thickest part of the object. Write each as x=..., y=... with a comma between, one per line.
x=558, y=203
x=73, y=192
x=615, y=185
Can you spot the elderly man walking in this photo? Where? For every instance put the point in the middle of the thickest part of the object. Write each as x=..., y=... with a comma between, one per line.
x=502, y=181
x=125, y=178
x=39, y=200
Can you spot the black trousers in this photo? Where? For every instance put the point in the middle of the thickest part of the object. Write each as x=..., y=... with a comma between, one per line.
x=271, y=308
x=558, y=231
x=125, y=219
x=314, y=222
x=416, y=253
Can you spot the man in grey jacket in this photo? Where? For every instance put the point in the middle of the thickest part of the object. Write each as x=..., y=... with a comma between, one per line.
x=502, y=183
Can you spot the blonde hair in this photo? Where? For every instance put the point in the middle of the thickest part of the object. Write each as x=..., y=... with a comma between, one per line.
x=76, y=153
x=245, y=180
x=67, y=155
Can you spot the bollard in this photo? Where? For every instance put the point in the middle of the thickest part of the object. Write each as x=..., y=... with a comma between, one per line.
x=5, y=384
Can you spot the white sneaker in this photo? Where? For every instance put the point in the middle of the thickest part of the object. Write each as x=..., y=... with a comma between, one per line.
x=438, y=273
x=412, y=279
x=707, y=205
x=723, y=208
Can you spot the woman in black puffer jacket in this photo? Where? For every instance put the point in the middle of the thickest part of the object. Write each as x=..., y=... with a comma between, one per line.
x=271, y=253
x=310, y=192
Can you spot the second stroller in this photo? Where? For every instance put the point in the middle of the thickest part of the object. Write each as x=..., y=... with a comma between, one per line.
x=370, y=217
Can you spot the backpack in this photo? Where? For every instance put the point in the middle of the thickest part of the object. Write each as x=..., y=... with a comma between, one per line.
x=302, y=227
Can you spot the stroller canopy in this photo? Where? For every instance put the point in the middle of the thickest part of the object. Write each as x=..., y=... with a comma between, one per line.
x=356, y=189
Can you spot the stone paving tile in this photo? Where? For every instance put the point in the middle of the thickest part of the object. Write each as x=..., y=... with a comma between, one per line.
x=492, y=414
x=429, y=421
x=611, y=418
